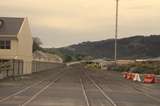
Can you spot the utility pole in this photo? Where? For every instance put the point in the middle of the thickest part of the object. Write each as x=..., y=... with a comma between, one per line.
x=116, y=32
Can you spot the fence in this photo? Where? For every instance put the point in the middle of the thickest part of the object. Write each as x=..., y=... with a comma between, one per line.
x=11, y=68
x=38, y=66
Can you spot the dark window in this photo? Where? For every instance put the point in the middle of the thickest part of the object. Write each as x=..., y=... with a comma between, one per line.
x=5, y=44
x=1, y=23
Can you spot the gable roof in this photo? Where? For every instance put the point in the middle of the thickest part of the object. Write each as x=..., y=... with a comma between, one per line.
x=10, y=26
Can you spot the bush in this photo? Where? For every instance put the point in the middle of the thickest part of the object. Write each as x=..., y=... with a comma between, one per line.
x=120, y=68
x=139, y=69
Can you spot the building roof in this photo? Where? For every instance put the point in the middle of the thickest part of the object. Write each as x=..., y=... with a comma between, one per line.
x=10, y=26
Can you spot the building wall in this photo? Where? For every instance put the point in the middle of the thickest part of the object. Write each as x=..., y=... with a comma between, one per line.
x=10, y=53
x=24, y=50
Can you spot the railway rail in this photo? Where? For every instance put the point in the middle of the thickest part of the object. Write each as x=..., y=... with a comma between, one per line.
x=84, y=93
x=78, y=86
x=39, y=87
x=109, y=100
x=141, y=90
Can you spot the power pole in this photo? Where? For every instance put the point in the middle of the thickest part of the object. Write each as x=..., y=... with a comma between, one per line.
x=116, y=32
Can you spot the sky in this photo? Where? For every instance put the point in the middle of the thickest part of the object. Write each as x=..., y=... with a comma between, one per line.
x=61, y=23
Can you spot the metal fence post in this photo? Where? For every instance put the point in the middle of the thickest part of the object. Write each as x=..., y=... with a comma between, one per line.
x=13, y=62
x=18, y=67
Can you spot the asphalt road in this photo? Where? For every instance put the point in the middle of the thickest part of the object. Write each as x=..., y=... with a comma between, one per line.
x=77, y=86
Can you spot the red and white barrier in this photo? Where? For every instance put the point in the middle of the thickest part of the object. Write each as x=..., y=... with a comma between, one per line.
x=125, y=74
x=137, y=77
x=149, y=78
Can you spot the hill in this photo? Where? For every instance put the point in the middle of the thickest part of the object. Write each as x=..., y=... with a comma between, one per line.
x=128, y=48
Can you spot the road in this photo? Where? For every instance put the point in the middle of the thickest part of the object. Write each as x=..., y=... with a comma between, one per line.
x=77, y=86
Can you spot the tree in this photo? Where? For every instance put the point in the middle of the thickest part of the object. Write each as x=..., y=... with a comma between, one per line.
x=37, y=44
x=67, y=58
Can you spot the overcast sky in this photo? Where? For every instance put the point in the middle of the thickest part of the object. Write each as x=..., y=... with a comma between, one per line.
x=63, y=22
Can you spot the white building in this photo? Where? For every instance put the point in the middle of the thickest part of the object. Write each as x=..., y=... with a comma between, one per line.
x=16, y=41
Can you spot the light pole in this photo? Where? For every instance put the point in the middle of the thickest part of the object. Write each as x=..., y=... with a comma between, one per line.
x=116, y=32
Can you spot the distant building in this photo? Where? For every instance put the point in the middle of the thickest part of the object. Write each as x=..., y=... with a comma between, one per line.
x=46, y=57
x=125, y=62
x=16, y=41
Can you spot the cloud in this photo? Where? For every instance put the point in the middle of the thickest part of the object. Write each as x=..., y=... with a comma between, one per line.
x=63, y=22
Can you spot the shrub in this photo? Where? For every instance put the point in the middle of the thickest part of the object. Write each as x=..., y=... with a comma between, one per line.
x=120, y=68
x=139, y=69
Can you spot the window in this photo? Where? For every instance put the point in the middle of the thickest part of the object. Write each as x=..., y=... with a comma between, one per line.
x=5, y=44
x=1, y=23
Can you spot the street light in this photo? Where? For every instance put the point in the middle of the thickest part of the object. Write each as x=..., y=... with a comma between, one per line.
x=116, y=32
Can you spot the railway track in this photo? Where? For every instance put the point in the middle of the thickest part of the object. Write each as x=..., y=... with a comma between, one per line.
x=34, y=90
x=87, y=79
x=26, y=87
x=141, y=90
x=85, y=93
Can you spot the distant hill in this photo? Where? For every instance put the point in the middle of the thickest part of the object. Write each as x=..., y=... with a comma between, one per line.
x=128, y=48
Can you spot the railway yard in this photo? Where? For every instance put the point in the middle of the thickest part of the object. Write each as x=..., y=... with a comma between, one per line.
x=77, y=86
